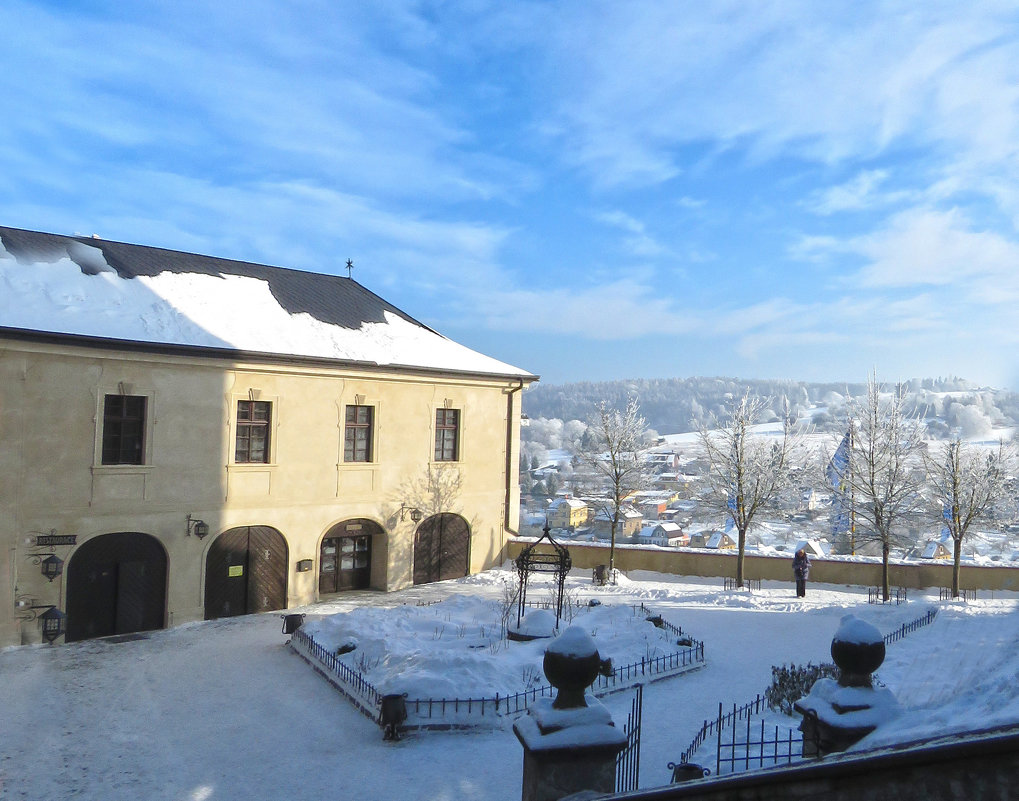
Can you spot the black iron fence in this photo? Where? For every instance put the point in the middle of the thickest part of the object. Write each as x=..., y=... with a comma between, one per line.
x=756, y=749
x=349, y=681
x=754, y=708
x=628, y=760
x=946, y=594
x=751, y=585
x=649, y=668
x=711, y=727
x=876, y=595
x=464, y=711
x=909, y=628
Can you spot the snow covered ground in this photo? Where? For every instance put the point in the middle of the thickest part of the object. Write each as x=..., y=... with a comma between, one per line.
x=223, y=710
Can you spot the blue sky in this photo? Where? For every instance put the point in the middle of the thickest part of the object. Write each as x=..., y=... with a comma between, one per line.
x=588, y=190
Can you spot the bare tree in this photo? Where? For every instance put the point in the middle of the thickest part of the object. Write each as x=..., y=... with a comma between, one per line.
x=746, y=470
x=618, y=458
x=964, y=483
x=885, y=472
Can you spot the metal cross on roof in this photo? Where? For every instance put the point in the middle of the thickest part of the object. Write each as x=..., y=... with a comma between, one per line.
x=350, y=267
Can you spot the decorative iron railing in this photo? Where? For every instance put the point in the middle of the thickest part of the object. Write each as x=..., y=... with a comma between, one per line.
x=751, y=585
x=457, y=712
x=909, y=628
x=628, y=760
x=753, y=708
x=755, y=750
x=876, y=595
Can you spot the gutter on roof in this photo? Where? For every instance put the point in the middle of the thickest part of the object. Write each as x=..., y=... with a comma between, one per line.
x=134, y=346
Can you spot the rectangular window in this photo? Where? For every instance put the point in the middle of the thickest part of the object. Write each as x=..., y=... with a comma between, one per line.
x=357, y=434
x=124, y=429
x=447, y=435
x=253, y=418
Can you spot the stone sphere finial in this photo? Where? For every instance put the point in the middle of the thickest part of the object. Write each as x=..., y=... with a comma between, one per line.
x=858, y=649
x=571, y=665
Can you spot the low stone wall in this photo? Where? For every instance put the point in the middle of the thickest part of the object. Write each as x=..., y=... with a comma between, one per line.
x=834, y=570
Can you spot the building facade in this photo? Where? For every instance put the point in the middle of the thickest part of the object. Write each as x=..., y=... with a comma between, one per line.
x=146, y=483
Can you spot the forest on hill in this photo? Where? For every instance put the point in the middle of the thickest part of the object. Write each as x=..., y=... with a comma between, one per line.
x=677, y=405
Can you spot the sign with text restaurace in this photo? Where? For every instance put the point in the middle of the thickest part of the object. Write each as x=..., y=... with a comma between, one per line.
x=49, y=540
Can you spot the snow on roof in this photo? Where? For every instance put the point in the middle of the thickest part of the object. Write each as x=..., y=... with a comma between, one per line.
x=573, y=503
x=94, y=288
x=812, y=547
x=717, y=540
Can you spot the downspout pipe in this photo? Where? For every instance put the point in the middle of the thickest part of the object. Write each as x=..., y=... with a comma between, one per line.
x=509, y=455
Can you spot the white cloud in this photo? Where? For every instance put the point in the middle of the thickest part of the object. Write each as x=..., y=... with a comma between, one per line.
x=926, y=247
x=855, y=194
x=639, y=81
x=639, y=243
x=618, y=310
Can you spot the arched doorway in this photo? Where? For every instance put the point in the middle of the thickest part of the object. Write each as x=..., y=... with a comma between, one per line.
x=442, y=548
x=116, y=584
x=246, y=571
x=345, y=557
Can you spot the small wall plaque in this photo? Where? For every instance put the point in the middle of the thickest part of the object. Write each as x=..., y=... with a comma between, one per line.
x=304, y=566
x=235, y=570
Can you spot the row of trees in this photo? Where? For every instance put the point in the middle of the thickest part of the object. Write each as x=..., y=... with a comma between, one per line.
x=882, y=471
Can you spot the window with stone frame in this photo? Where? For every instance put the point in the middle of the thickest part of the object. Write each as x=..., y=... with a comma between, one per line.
x=254, y=420
x=124, y=429
x=447, y=435
x=357, y=434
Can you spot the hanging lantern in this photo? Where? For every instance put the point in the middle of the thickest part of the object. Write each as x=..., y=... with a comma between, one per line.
x=52, y=623
x=52, y=566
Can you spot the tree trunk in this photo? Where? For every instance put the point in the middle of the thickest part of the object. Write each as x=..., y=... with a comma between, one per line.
x=885, y=594
x=740, y=554
x=956, y=567
x=612, y=548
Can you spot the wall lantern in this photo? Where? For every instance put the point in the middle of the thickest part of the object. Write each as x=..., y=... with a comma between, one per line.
x=197, y=527
x=52, y=566
x=52, y=623
x=415, y=513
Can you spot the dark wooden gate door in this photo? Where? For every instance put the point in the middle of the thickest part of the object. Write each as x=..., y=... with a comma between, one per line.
x=442, y=546
x=116, y=584
x=246, y=571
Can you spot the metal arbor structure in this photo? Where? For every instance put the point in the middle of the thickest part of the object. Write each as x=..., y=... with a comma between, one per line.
x=530, y=561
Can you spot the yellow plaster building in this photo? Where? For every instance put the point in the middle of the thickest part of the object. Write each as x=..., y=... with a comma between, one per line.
x=184, y=437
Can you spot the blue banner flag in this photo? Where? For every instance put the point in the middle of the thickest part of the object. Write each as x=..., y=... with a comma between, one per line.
x=838, y=465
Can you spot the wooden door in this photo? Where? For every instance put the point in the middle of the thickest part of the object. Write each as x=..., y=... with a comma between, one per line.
x=441, y=549
x=246, y=571
x=116, y=584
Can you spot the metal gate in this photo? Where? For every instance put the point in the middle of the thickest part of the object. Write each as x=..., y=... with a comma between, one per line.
x=116, y=584
x=246, y=571
x=442, y=548
x=628, y=760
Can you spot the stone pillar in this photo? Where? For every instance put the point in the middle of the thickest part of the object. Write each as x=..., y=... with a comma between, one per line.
x=570, y=743
x=838, y=714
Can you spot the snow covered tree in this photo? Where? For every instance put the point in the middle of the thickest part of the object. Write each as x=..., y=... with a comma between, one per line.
x=617, y=456
x=964, y=483
x=885, y=472
x=746, y=470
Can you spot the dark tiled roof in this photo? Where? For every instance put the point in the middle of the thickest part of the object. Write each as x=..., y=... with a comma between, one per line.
x=328, y=298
